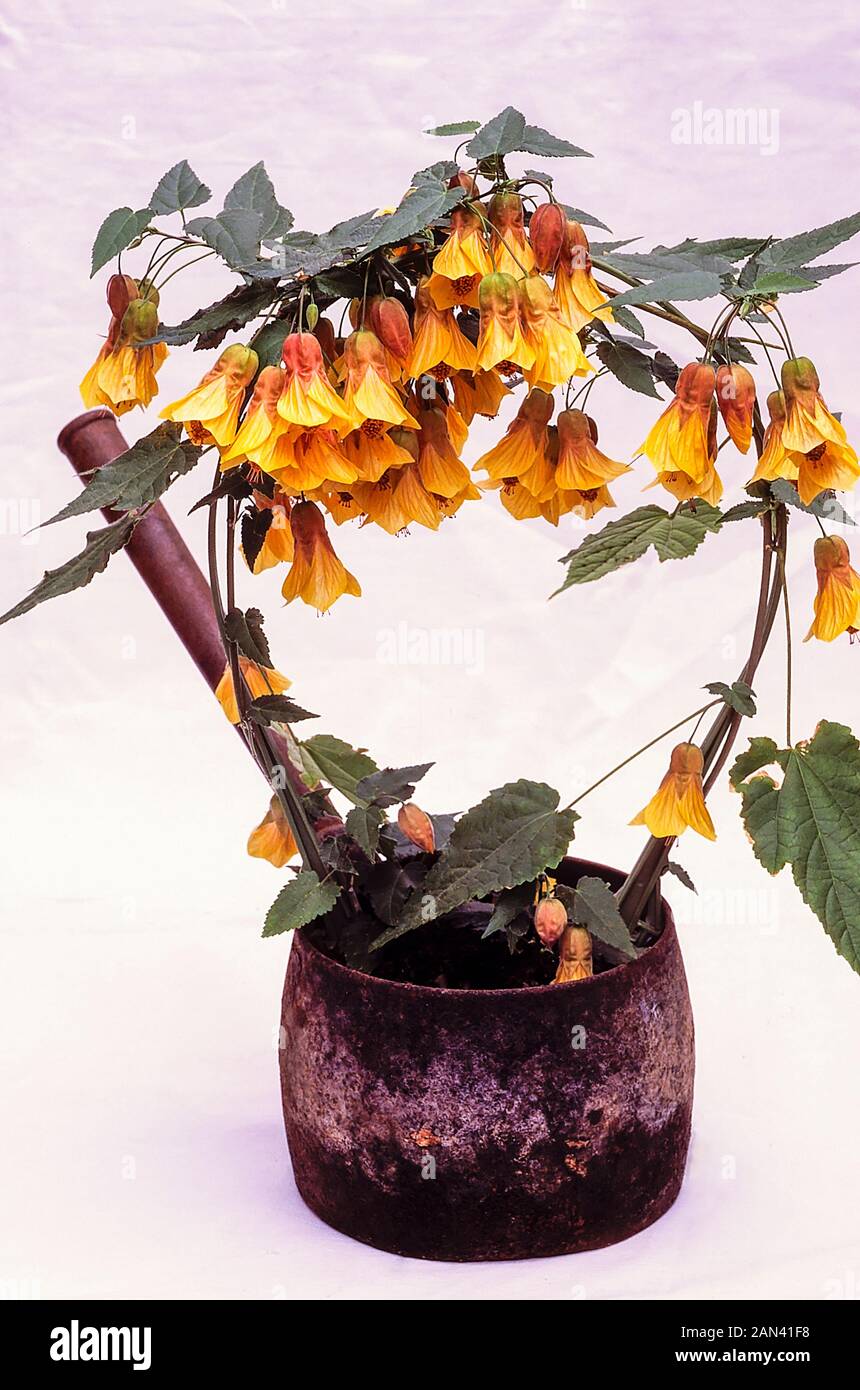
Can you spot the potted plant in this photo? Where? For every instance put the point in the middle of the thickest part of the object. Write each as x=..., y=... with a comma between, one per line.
x=487, y=1046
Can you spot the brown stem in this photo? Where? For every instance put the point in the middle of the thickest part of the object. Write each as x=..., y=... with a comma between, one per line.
x=644, y=877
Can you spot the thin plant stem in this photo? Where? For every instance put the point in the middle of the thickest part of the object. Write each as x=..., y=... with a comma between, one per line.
x=787, y=610
x=643, y=749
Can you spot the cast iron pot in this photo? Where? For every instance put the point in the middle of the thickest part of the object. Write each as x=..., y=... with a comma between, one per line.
x=501, y=1124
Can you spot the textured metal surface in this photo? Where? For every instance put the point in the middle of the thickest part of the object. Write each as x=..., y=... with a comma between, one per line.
x=489, y=1124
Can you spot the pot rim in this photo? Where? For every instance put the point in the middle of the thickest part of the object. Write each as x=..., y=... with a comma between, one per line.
x=666, y=938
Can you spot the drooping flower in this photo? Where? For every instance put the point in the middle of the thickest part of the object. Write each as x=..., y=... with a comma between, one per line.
x=464, y=253
x=501, y=337
x=260, y=680
x=736, y=399
x=316, y=575
x=276, y=547
x=308, y=461
x=211, y=410
x=374, y=454
x=524, y=444
x=370, y=400
x=442, y=472
x=273, y=839
x=123, y=374
x=708, y=488
x=575, y=955
x=581, y=465
x=261, y=423
x=576, y=292
x=440, y=346
x=824, y=457
x=380, y=504
x=308, y=399
x=775, y=461
x=679, y=440
x=479, y=393
x=679, y=801
x=585, y=502
x=837, y=603
x=558, y=351
x=547, y=235
x=511, y=250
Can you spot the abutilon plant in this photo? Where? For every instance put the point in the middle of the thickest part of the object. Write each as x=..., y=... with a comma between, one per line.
x=357, y=363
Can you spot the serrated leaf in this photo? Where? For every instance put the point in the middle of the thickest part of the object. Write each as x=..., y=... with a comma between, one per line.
x=680, y=873
x=594, y=907
x=268, y=343
x=510, y=913
x=454, y=128
x=256, y=192
x=734, y=248
x=629, y=365
x=808, y=246
x=300, y=902
x=779, y=282
x=535, y=140
x=674, y=537
x=738, y=696
x=277, y=709
x=511, y=836
x=389, y=888
x=363, y=823
x=420, y=207
x=138, y=476
x=246, y=630
x=224, y=316
x=391, y=785
x=177, y=190
x=812, y=822
x=331, y=760
x=589, y=220
x=119, y=229
x=679, y=288
x=628, y=320
x=499, y=136
x=826, y=505
x=233, y=233
x=78, y=571
x=742, y=510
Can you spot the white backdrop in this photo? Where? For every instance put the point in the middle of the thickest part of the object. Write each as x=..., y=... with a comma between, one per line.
x=143, y=1152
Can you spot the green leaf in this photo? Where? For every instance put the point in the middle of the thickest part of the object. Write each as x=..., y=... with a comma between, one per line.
x=138, y=476
x=738, y=696
x=629, y=365
x=300, y=902
x=277, y=709
x=420, y=207
x=808, y=246
x=255, y=192
x=454, y=128
x=499, y=136
x=78, y=571
x=594, y=906
x=510, y=904
x=246, y=630
x=389, y=888
x=680, y=873
x=234, y=234
x=779, y=282
x=178, y=189
x=268, y=343
x=673, y=537
x=119, y=229
x=363, y=823
x=681, y=287
x=329, y=759
x=511, y=836
x=534, y=140
x=741, y=511
x=628, y=320
x=391, y=785
x=826, y=505
x=812, y=822
x=226, y=315
x=733, y=248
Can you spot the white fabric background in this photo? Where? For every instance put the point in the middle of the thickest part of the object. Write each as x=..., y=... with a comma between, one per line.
x=143, y=1152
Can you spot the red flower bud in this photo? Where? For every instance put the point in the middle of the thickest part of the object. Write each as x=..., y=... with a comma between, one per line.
x=121, y=290
x=390, y=322
x=547, y=230
x=417, y=826
x=550, y=920
x=736, y=398
x=506, y=212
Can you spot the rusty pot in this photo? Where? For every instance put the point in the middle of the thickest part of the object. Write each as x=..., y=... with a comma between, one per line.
x=498, y=1124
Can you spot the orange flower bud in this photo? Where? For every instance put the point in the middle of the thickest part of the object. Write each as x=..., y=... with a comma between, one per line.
x=736, y=398
x=417, y=826
x=121, y=290
x=547, y=230
x=695, y=385
x=831, y=553
x=575, y=251
x=363, y=349
x=550, y=920
x=390, y=322
x=686, y=758
x=463, y=180
x=302, y=355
